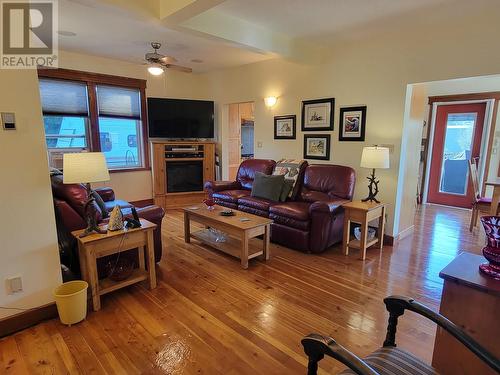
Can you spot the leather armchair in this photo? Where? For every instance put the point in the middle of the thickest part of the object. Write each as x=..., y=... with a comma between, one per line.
x=107, y=194
x=69, y=201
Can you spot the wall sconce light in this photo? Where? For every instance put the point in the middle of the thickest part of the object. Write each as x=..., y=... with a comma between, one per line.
x=270, y=101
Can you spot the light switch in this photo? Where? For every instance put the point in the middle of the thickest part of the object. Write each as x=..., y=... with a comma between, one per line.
x=8, y=120
x=14, y=284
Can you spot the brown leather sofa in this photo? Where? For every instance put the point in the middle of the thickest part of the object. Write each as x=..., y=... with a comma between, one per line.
x=311, y=220
x=69, y=201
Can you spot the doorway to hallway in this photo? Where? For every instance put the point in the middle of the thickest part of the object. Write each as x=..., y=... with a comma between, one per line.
x=241, y=135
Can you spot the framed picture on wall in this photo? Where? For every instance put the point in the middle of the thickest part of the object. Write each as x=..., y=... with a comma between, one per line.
x=284, y=127
x=317, y=114
x=352, y=124
x=317, y=146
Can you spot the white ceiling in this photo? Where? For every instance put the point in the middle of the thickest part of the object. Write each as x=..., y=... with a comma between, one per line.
x=307, y=19
x=232, y=32
x=105, y=31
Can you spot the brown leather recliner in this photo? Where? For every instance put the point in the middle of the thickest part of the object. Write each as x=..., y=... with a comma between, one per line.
x=227, y=193
x=312, y=220
x=69, y=201
x=315, y=220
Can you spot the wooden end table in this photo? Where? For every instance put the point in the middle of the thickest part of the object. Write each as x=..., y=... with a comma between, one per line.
x=362, y=213
x=95, y=246
x=238, y=232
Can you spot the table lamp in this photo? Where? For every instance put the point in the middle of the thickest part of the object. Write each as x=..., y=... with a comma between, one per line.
x=374, y=157
x=85, y=168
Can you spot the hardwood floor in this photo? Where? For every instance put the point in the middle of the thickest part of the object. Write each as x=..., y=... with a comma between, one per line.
x=210, y=316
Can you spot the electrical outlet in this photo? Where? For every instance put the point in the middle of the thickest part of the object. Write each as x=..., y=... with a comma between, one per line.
x=14, y=284
x=259, y=144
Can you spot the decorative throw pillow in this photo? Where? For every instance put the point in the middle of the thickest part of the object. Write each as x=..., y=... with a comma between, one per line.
x=267, y=187
x=286, y=189
x=100, y=203
x=290, y=168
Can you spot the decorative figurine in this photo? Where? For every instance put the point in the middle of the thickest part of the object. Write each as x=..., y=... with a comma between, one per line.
x=115, y=219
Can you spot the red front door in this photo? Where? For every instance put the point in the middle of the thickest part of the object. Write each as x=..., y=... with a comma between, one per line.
x=457, y=139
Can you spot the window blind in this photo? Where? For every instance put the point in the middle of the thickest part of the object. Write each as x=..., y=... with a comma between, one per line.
x=63, y=97
x=118, y=102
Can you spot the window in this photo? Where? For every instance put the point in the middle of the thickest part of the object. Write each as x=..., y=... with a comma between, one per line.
x=119, y=122
x=65, y=110
x=91, y=112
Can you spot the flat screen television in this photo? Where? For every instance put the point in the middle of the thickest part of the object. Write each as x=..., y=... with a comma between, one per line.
x=180, y=118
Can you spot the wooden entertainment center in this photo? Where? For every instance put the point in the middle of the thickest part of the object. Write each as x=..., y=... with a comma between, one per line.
x=180, y=168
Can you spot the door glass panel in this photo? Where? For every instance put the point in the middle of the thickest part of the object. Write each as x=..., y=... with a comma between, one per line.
x=459, y=135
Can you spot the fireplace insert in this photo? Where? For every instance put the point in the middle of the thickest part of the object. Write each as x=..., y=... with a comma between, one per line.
x=184, y=176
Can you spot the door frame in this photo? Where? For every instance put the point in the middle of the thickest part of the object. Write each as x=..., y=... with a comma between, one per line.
x=223, y=134
x=485, y=138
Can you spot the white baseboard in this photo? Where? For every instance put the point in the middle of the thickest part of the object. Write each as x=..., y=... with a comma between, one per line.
x=405, y=233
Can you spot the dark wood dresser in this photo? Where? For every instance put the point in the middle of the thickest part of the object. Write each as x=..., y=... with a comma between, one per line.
x=472, y=301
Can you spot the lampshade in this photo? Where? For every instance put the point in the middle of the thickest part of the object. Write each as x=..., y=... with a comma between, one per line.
x=84, y=167
x=375, y=157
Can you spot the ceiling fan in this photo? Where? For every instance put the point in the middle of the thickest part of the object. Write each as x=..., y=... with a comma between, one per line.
x=158, y=62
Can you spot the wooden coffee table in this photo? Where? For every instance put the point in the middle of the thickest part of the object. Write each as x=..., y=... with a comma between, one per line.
x=240, y=235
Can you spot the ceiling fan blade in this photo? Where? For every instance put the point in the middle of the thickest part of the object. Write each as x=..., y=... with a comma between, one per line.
x=168, y=60
x=179, y=68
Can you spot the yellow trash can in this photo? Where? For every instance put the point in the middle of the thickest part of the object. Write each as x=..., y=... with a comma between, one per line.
x=71, y=301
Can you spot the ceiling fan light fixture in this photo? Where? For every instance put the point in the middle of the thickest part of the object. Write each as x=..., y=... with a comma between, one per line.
x=155, y=70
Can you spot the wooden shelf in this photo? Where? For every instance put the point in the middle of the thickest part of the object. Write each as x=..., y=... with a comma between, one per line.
x=183, y=159
x=232, y=246
x=107, y=285
x=356, y=244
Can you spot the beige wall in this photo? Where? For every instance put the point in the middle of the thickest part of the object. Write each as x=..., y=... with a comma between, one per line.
x=373, y=72
x=28, y=245
x=137, y=185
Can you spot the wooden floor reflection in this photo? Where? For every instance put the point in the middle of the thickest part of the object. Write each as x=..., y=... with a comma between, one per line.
x=210, y=316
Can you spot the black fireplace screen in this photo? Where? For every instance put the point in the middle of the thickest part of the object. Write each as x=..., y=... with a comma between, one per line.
x=184, y=176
